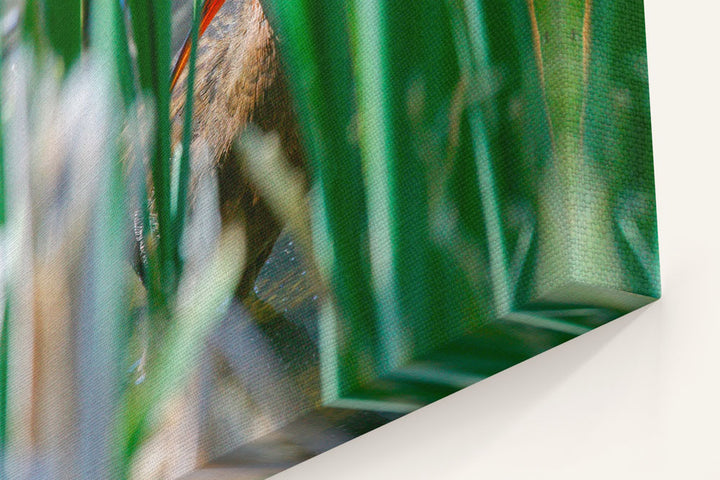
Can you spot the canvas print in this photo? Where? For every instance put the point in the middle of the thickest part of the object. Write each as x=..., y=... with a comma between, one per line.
x=237, y=233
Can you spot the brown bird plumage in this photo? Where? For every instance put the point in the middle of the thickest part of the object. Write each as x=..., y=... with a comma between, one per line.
x=239, y=80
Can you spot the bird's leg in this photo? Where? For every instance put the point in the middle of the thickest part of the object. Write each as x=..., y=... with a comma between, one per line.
x=240, y=201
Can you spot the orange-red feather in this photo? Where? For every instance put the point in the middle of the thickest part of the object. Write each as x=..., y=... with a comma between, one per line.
x=210, y=8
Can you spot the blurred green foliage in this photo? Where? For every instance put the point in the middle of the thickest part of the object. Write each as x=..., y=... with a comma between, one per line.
x=494, y=194
x=85, y=63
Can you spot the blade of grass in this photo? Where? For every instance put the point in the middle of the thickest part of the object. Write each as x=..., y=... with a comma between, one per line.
x=123, y=60
x=63, y=24
x=161, y=160
x=104, y=321
x=321, y=79
x=194, y=318
x=184, y=167
x=32, y=30
x=470, y=36
x=106, y=314
x=375, y=134
x=151, y=32
x=406, y=74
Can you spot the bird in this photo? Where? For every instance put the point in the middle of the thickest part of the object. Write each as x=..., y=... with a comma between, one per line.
x=239, y=80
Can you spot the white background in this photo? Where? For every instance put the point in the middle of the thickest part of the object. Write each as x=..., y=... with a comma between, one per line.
x=638, y=398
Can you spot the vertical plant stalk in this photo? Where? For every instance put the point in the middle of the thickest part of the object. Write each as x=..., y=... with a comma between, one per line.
x=566, y=48
x=470, y=37
x=161, y=163
x=105, y=314
x=193, y=319
x=320, y=76
x=122, y=58
x=32, y=33
x=183, y=175
x=151, y=33
x=375, y=131
x=63, y=19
